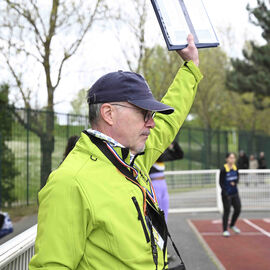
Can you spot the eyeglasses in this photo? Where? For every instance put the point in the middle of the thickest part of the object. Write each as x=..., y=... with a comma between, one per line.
x=147, y=114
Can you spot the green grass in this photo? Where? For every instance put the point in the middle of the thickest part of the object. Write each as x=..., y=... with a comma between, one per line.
x=19, y=148
x=16, y=213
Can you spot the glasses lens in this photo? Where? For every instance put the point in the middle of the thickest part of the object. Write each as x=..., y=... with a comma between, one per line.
x=148, y=115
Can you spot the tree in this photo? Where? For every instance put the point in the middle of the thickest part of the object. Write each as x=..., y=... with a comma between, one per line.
x=159, y=68
x=79, y=104
x=136, y=23
x=44, y=37
x=8, y=171
x=252, y=74
x=212, y=95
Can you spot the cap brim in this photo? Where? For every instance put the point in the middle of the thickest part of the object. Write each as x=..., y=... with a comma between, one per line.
x=152, y=105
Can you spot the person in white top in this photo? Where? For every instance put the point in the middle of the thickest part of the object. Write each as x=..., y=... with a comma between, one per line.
x=253, y=162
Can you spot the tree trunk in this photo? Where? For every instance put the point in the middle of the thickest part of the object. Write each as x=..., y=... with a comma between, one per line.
x=47, y=148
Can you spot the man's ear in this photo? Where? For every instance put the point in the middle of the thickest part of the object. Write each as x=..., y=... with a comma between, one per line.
x=106, y=112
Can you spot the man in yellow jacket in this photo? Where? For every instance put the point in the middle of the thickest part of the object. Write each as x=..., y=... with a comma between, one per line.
x=98, y=210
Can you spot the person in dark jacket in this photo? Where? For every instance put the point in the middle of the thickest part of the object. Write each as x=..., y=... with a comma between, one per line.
x=262, y=161
x=173, y=152
x=228, y=180
x=243, y=161
x=70, y=145
x=6, y=226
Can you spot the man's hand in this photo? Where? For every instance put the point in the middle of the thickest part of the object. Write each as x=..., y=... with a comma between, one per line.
x=190, y=52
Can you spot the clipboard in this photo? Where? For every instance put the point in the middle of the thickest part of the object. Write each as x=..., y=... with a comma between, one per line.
x=178, y=18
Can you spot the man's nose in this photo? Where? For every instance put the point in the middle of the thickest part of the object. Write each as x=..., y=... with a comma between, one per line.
x=150, y=123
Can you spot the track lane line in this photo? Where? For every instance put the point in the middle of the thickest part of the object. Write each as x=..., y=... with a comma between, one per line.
x=242, y=233
x=205, y=245
x=256, y=227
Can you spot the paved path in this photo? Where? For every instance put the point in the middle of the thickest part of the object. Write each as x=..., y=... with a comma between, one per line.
x=193, y=199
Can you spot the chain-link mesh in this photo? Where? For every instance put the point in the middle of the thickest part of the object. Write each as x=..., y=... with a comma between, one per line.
x=33, y=142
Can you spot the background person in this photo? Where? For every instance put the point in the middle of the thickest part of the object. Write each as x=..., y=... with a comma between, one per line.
x=6, y=226
x=173, y=152
x=253, y=163
x=228, y=180
x=262, y=161
x=70, y=145
x=242, y=162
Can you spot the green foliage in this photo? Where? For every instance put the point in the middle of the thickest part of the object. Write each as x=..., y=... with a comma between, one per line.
x=210, y=106
x=79, y=103
x=7, y=158
x=5, y=116
x=159, y=69
x=252, y=74
x=215, y=106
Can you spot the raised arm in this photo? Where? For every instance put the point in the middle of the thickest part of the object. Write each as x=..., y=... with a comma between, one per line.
x=180, y=95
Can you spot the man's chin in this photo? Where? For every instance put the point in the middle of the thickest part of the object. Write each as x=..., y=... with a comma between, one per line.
x=138, y=150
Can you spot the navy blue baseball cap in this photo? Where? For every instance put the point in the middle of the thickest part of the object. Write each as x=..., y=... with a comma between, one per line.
x=125, y=86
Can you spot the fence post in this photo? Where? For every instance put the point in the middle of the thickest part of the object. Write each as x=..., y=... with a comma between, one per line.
x=227, y=142
x=189, y=150
x=218, y=150
x=67, y=126
x=27, y=154
x=0, y=171
x=218, y=193
x=205, y=148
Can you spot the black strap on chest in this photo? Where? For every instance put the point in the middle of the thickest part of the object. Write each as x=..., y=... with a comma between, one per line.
x=154, y=215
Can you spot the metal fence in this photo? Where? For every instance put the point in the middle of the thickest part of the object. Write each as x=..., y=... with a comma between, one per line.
x=206, y=149
x=16, y=253
x=192, y=190
x=199, y=190
x=20, y=178
x=24, y=146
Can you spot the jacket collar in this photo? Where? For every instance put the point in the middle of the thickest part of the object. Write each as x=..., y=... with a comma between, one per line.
x=227, y=168
x=104, y=137
x=121, y=151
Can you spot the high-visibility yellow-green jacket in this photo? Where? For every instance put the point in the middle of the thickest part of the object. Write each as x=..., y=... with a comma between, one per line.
x=87, y=219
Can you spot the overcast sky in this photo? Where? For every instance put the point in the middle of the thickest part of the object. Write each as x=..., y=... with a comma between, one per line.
x=101, y=51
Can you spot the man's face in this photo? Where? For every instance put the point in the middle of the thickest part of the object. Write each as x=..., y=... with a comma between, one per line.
x=132, y=126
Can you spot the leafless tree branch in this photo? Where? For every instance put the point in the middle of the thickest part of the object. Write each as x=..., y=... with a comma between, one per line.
x=27, y=15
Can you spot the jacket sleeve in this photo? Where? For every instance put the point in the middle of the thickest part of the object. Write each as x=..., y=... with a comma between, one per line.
x=237, y=181
x=180, y=95
x=175, y=153
x=222, y=176
x=63, y=224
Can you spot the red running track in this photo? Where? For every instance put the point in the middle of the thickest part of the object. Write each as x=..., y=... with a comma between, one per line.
x=248, y=251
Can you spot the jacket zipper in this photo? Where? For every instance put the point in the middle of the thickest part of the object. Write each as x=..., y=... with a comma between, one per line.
x=140, y=217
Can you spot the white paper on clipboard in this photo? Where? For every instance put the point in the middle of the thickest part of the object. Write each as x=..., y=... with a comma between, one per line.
x=178, y=18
